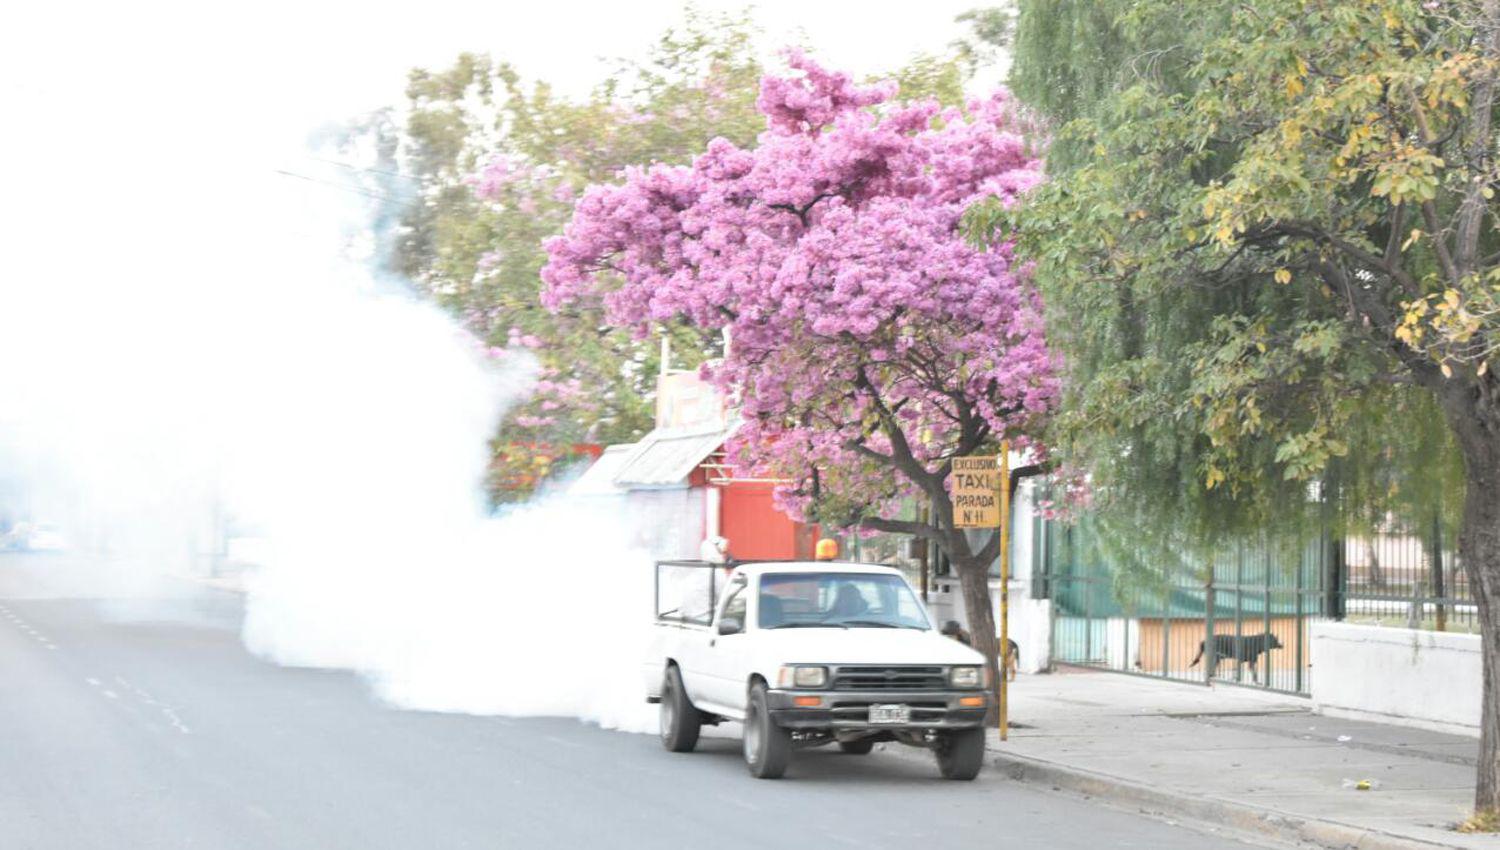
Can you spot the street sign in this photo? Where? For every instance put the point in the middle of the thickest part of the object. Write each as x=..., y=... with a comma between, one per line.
x=976, y=491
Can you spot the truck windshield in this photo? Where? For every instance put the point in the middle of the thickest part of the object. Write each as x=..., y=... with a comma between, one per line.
x=838, y=600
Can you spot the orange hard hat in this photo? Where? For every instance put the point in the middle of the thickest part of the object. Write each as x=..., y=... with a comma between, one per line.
x=826, y=550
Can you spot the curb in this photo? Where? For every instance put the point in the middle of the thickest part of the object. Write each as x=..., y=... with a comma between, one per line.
x=1238, y=816
x=223, y=584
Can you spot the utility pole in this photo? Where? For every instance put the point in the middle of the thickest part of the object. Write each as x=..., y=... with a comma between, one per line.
x=1004, y=587
x=922, y=552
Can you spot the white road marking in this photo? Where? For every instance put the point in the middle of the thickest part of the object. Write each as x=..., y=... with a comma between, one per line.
x=176, y=721
x=166, y=710
x=26, y=627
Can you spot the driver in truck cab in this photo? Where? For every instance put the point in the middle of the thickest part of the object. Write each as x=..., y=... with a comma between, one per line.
x=808, y=654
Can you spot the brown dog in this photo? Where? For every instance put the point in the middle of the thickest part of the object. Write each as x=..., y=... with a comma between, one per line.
x=1008, y=664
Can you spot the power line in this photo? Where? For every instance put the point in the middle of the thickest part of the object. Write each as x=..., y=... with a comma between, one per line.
x=362, y=168
x=379, y=196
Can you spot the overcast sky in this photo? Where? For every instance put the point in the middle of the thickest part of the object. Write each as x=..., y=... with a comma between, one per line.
x=290, y=64
x=152, y=114
x=159, y=278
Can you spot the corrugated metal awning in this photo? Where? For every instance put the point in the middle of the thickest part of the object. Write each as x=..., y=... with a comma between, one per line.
x=667, y=456
x=599, y=478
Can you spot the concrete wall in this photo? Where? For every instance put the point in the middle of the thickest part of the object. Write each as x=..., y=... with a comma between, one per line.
x=1417, y=678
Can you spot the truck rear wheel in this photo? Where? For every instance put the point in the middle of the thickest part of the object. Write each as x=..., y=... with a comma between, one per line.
x=768, y=747
x=680, y=722
x=961, y=754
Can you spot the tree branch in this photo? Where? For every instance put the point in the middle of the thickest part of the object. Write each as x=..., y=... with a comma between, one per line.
x=903, y=526
x=1393, y=241
x=990, y=550
x=1315, y=232
x=1439, y=241
x=1428, y=208
x=1472, y=209
x=1020, y=473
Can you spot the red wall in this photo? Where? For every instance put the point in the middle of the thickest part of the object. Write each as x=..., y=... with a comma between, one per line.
x=756, y=530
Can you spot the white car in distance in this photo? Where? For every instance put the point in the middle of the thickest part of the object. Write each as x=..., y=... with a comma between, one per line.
x=808, y=654
x=35, y=537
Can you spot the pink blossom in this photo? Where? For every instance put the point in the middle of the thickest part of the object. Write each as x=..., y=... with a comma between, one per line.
x=491, y=180
x=833, y=253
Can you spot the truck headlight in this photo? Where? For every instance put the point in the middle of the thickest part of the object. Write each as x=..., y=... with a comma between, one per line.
x=965, y=677
x=802, y=676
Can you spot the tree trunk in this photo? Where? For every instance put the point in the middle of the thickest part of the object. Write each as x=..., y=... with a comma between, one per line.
x=974, y=582
x=1372, y=562
x=1475, y=419
x=1479, y=549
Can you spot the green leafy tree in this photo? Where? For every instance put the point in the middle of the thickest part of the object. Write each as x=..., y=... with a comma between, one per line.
x=497, y=164
x=1269, y=251
x=499, y=161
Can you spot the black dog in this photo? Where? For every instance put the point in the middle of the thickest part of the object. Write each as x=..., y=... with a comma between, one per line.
x=1247, y=649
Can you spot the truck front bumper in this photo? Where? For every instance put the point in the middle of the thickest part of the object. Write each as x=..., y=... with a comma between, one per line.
x=850, y=710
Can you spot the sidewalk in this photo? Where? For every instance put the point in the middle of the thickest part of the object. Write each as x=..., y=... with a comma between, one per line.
x=1247, y=759
x=232, y=580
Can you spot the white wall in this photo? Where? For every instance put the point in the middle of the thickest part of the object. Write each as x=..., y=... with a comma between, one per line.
x=1030, y=619
x=1417, y=678
x=669, y=521
x=1031, y=629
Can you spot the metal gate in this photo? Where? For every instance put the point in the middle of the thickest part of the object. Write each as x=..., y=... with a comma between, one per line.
x=1256, y=599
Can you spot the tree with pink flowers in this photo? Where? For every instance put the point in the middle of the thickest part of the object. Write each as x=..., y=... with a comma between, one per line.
x=868, y=343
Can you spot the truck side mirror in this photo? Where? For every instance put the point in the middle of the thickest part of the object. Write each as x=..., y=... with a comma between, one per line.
x=730, y=626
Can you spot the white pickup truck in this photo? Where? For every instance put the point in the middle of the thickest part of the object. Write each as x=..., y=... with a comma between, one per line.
x=807, y=654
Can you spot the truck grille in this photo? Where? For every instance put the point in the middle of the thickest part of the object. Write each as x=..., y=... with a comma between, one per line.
x=889, y=679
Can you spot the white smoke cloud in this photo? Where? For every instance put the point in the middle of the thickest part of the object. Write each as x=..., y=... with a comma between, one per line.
x=250, y=366
x=183, y=337
x=509, y=616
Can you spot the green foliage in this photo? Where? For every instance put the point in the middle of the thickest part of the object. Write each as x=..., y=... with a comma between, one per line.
x=532, y=150
x=1073, y=57
x=925, y=76
x=499, y=160
x=1227, y=252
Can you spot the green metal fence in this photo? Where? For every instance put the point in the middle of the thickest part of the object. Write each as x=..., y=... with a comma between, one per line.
x=1155, y=619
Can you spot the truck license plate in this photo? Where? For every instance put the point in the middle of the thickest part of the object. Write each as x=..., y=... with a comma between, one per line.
x=890, y=714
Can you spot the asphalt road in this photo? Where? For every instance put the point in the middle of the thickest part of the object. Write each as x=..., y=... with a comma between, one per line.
x=129, y=724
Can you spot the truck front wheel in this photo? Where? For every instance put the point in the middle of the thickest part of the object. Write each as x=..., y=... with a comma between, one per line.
x=768, y=747
x=680, y=722
x=961, y=753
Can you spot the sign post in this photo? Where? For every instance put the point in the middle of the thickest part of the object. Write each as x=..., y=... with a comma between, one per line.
x=981, y=499
x=1005, y=659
